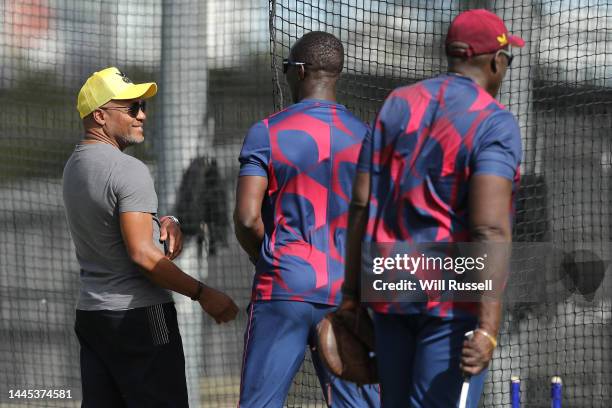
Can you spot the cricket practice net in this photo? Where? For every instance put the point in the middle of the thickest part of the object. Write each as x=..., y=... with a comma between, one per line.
x=218, y=67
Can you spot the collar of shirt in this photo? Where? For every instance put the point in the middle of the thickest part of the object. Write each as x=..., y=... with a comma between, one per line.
x=320, y=101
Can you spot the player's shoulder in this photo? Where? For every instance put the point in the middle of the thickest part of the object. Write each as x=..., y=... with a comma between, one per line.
x=285, y=113
x=500, y=116
x=124, y=165
x=498, y=123
x=97, y=155
x=403, y=90
x=261, y=126
x=478, y=98
x=347, y=115
x=128, y=159
x=130, y=173
x=322, y=110
x=418, y=92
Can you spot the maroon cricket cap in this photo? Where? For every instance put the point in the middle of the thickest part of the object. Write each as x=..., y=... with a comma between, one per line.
x=482, y=31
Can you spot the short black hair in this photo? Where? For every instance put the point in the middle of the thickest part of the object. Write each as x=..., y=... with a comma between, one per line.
x=321, y=51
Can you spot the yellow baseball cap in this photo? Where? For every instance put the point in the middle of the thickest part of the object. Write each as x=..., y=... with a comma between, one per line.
x=110, y=83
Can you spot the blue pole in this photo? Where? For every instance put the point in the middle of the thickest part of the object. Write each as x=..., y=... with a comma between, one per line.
x=515, y=392
x=555, y=391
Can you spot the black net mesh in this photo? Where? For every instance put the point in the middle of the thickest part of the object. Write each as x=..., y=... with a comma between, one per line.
x=560, y=89
x=211, y=61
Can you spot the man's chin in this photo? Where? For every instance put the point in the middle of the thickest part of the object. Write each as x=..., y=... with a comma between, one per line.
x=132, y=140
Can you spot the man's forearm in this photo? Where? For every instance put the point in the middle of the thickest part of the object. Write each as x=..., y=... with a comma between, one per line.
x=496, y=243
x=490, y=307
x=489, y=316
x=165, y=273
x=169, y=276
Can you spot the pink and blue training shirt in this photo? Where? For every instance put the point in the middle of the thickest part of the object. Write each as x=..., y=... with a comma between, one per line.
x=308, y=152
x=427, y=141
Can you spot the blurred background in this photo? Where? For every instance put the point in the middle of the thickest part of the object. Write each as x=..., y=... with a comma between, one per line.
x=218, y=67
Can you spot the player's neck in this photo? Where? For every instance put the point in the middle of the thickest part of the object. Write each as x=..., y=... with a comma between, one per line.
x=320, y=96
x=474, y=74
x=98, y=136
x=323, y=90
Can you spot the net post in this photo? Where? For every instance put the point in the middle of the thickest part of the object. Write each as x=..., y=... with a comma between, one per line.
x=182, y=135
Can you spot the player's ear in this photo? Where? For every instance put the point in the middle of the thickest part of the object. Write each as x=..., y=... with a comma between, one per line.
x=494, y=64
x=98, y=116
x=301, y=71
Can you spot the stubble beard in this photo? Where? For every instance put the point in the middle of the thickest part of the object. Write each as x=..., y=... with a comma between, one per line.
x=130, y=140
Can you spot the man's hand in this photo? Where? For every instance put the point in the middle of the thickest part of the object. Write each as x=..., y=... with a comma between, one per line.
x=218, y=305
x=476, y=354
x=171, y=231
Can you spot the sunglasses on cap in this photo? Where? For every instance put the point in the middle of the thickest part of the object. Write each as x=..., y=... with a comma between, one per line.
x=508, y=55
x=287, y=62
x=132, y=110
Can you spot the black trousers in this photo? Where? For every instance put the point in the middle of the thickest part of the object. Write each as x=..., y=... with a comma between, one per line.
x=131, y=358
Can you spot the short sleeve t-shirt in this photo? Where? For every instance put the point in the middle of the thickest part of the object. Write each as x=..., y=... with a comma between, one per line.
x=427, y=141
x=99, y=183
x=308, y=153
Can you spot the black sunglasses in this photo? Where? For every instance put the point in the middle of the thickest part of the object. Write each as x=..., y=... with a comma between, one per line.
x=132, y=110
x=508, y=55
x=287, y=63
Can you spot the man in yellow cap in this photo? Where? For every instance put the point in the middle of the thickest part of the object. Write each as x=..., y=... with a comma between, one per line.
x=131, y=348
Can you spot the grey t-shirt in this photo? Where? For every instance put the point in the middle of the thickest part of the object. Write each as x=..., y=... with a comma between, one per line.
x=100, y=182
